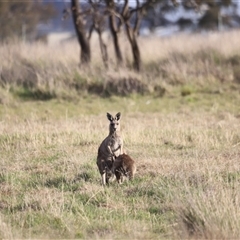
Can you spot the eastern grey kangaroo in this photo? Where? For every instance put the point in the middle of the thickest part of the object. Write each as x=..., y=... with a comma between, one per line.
x=124, y=166
x=110, y=148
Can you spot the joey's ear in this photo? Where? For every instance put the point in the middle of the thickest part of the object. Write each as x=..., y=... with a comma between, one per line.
x=118, y=115
x=110, y=117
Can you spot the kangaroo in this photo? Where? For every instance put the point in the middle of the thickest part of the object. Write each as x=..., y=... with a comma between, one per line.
x=124, y=165
x=110, y=148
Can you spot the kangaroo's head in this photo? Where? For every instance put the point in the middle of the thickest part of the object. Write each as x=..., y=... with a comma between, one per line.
x=114, y=122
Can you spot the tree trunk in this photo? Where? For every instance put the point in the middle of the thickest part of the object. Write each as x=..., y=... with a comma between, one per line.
x=81, y=33
x=103, y=48
x=114, y=32
x=117, y=47
x=137, y=62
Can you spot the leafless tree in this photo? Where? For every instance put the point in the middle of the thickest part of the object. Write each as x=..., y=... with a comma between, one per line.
x=132, y=31
x=119, y=16
x=98, y=24
x=81, y=32
x=130, y=18
x=96, y=19
x=114, y=26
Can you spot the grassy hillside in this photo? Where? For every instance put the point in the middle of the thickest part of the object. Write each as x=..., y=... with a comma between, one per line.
x=182, y=129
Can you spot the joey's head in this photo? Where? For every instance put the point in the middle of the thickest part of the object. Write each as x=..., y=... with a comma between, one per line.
x=114, y=122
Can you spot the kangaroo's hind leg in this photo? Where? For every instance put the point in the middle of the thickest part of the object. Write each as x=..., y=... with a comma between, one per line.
x=102, y=167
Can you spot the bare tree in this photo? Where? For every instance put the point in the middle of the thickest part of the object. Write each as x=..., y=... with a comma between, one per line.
x=81, y=32
x=118, y=16
x=85, y=22
x=132, y=31
x=123, y=15
x=132, y=19
x=115, y=29
x=98, y=24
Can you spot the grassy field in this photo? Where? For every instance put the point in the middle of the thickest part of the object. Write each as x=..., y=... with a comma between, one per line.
x=183, y=133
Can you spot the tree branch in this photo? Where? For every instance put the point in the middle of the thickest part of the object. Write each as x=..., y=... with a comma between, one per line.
x=141, y=7
x=90, y=31
x=138, y=19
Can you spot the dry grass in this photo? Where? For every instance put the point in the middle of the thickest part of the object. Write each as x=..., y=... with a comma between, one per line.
x=186, y=144
x=46, y=72
x=186, y=184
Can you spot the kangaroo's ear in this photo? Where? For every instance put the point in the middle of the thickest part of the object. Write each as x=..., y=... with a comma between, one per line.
x=110, y=117
x=118, y=115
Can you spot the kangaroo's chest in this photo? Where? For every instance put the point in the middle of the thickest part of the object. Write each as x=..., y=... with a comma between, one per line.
x=115, y=143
